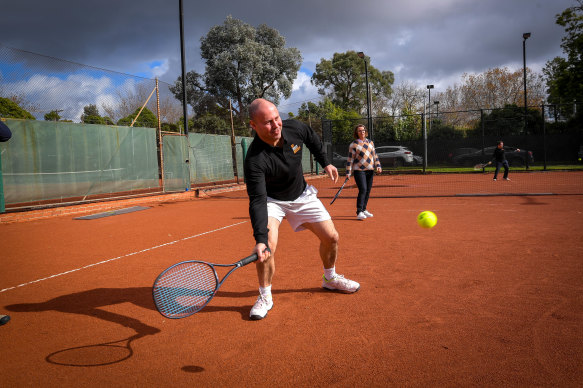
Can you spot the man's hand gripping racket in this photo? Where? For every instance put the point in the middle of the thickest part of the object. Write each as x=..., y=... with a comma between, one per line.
x=187, y=287
x=481, y=165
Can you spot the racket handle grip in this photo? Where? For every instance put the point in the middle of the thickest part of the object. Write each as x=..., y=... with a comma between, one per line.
x=250, y=259
x=247, y=260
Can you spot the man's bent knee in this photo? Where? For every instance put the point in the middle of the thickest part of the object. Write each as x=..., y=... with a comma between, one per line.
x=325, y=231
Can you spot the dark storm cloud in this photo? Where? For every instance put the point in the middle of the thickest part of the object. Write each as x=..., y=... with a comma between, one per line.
x=421, y=41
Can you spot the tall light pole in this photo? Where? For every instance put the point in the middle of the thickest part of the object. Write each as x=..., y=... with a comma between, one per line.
x=429, y=87
x=369, y=121
x=525, y=36
x=183, y=69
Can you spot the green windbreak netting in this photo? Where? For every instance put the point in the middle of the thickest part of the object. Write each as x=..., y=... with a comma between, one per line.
x=175, y=154
x=48, y=161
x=211, y=158
x=54, y=160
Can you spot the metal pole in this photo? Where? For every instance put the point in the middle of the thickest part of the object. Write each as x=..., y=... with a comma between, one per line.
x=429, y=87
x=182, y=59
x=184, y=106
x=233, y=144
x=424, y=137
x=483, y=136
x=368, y=102
x=368, y=99
x=544, y=139
x=429, y=110
x=525, y=36
x=160, y=142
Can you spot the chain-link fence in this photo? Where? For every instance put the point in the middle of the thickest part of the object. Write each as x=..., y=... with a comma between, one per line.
x=549, y=134
x=53, y=89
x=72, y=142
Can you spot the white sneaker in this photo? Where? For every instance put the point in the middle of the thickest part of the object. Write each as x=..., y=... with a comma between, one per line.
x=341, y=284
x=367, y=214
x=361, y=216
x=261, y=307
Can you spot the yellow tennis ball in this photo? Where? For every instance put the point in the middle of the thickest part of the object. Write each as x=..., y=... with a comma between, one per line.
x=427, y=219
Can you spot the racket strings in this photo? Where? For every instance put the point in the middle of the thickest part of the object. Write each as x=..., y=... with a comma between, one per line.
x=185, y=289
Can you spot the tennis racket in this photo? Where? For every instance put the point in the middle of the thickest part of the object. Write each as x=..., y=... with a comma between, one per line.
x=481, y=165
x=187, y=287
x=339, y=190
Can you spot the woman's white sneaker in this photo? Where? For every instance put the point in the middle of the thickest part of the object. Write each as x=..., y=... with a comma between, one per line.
x=361, y=216
x=367, y=214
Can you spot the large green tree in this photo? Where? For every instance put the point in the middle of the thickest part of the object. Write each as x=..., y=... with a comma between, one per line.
x=564, y=76
x=53, y=116
x=10, y=109
x=343, y=80
x=145, y=119
x=91, y=116
x=242, y=63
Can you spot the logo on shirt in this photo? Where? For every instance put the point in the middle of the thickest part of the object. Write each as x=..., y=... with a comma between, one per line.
x=295, y=148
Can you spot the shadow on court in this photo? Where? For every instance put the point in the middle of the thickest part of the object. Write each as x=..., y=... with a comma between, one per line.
x=532, y=201
x=91, y=303
x=88, y=303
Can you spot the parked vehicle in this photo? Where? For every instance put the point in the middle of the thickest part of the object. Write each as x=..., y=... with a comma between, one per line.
x=461, y=151
x=396, y=156
x=417, y=160
x=515, y=158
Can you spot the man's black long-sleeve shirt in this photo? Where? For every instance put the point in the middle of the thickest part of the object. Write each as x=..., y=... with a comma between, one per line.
x=499, y=155
x=5, y=133
x=276, y=172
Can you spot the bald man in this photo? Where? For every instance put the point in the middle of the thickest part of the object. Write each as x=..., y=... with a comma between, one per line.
x=277, y=190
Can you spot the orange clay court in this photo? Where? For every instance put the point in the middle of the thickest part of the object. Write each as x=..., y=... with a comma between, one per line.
x=491, y=296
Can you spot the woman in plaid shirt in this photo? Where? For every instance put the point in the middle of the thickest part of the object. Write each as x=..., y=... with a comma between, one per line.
x=361, y=162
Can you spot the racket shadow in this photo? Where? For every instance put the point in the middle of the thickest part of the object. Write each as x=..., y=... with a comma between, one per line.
x=91, y=303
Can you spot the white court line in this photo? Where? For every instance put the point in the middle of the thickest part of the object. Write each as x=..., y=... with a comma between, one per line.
x=121, y=257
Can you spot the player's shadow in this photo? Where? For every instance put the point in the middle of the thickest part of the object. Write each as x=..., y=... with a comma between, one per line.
x=90, y=303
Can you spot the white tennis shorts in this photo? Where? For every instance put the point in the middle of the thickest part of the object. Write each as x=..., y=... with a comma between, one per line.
x=306, y=208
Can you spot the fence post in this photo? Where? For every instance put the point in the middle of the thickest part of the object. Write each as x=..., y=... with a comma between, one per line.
x=544, y=139
x=233, y=144
x=483, y=139
x=423, y=119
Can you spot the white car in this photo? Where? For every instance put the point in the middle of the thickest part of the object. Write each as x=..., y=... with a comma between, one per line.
x=396, y=156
